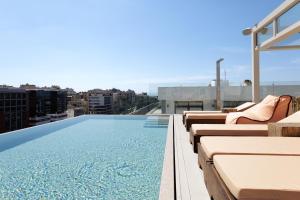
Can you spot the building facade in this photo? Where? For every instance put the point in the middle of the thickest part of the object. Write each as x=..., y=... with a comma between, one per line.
x=13, y=109
x=100, y=103
x=46, y=105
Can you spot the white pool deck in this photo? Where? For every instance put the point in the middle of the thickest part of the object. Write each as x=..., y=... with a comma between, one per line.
x=189, y=177
x=182, y=179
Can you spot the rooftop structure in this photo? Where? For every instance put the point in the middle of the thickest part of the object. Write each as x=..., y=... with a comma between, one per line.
x=280, y=30
x=178, y=99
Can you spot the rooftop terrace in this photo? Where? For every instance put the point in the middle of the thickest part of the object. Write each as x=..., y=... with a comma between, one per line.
x=280, y=30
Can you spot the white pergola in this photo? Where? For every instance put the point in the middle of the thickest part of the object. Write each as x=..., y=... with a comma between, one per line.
x=280, y=30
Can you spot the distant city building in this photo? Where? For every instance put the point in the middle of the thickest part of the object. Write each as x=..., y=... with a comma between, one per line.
x=70, y=91
x=78, y=112
x=28, y=86
x=31, y=105
x=123, y=101
x=142, y=100
x=46, y=105
x=78, y=104
x=99, y=103
x=13, y=109
x=131, y=96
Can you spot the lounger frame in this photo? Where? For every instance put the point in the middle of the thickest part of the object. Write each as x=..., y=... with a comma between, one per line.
x=215, y=186
x=201, y=113
x=202, y=157
x=189, y=122
x=218, y=189
x=195, y=139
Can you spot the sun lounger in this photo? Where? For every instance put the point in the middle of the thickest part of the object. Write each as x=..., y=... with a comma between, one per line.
x=199, y=130
x=239, y=108
x=211, y=146
x=208, y=147
x=211, y=117
x=219, y=118
x=271, y=109
x=275, y=111
x=198, y=113
x=253, y=177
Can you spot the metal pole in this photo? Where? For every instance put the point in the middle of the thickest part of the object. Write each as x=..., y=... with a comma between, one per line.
x=218, y=85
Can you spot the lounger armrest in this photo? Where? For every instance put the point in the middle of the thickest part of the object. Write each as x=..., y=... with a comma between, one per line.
x=228, y=110
x=284, y=129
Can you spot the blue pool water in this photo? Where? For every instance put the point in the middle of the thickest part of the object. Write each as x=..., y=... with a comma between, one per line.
x=89, y=157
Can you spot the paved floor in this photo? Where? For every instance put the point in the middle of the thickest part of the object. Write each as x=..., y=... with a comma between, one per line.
x=189, y=178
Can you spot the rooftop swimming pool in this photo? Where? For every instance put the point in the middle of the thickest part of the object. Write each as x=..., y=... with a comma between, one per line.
x=87, y=157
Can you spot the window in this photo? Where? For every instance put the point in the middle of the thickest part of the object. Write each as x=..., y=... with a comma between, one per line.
x=7, y=103
x=6, y=96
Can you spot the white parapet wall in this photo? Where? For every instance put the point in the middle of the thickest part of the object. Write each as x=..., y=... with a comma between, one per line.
x=207, y=94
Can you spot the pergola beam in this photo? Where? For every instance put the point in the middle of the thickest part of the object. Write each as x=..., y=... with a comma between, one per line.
x=274, y=48
x=282, y=35
x=285, y=6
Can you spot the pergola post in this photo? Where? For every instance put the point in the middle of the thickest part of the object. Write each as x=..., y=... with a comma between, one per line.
x=255, y=70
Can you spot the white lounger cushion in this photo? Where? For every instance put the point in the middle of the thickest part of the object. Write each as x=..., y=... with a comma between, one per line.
x=254, y=177
x=250, y=145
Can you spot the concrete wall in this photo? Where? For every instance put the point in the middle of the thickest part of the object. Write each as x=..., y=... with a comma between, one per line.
x=168, y=95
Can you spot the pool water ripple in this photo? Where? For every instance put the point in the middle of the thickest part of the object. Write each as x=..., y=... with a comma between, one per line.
x=93, y=159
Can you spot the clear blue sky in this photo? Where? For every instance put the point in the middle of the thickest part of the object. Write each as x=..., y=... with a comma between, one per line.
x=132, y=43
